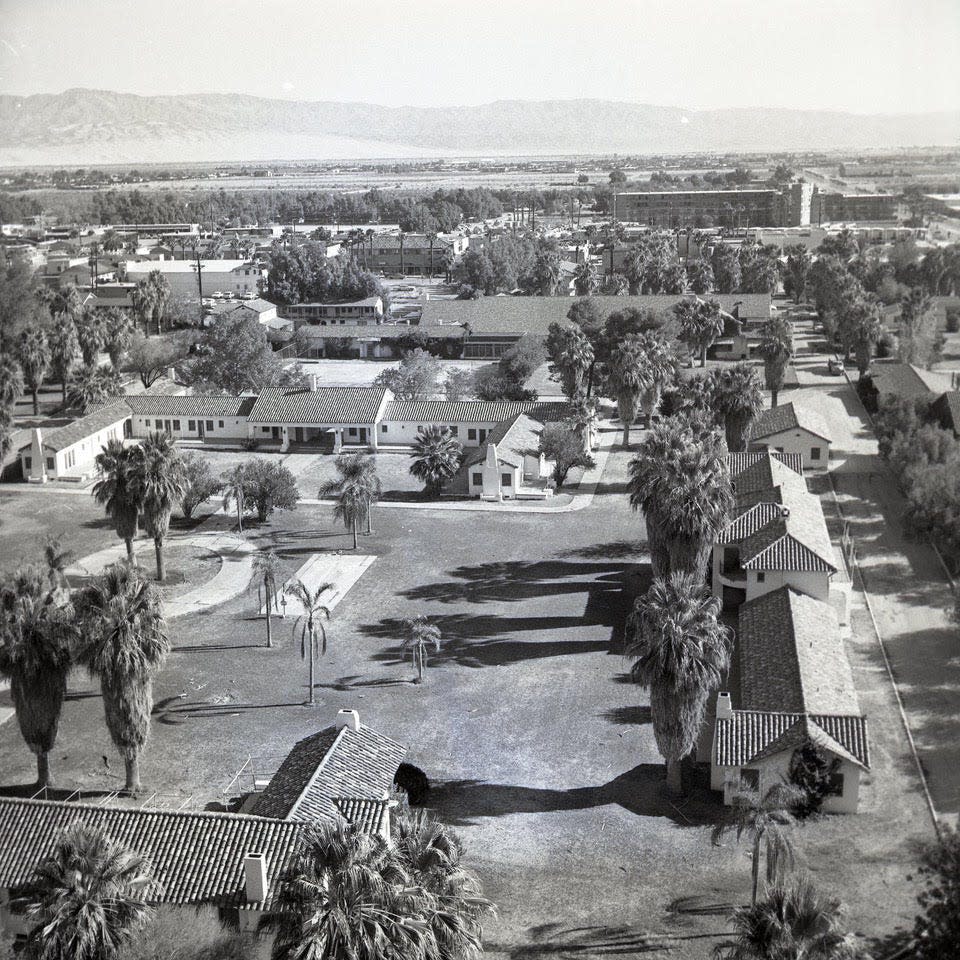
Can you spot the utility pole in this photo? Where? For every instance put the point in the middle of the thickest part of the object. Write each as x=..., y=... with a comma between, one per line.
x=198, y=266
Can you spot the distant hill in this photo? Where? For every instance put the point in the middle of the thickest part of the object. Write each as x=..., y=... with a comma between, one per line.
x=100, y=126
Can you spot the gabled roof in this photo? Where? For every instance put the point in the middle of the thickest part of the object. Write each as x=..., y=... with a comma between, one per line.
x=197, y=857
x=86, y=426
x=327, y=767
x=788, y=416
x=757, y=469
x=947, y=409
x=750, y=735
x=470, y=411
x=376, y=331
x=791, y=656
x=906, y=380
x=780, y=544
x=749, y=522
x=363, y=812
x=257, y=305
x=194, y=405
x=325, y=405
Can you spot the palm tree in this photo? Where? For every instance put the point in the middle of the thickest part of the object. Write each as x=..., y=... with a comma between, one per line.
x=572, y=364
x=679, y=480
x=89, y=898
x=421, y=634
x=867, y=329
x=63, y=350
x=700, y=325
x=57, y=560
x=117, y=491
x=357, y=488
x=436, y=458
x=737, y=400
x=432, y=855
x=776, y=348
x=11, y=380
x=160, y=481
x=310, y=621
x=117, y=331
x=234, y=485
x=35, y=635
x=349, y=895
x=584, y=279
x=142, y=298
x=766, y=819
x=90, y=335
x=123, y=643
x=34, y=356
x=268, y=571
x=629, y=377
x=681, y=654
x=583, y=417
x=91, y=386
x=792, y=921
x=160, y=287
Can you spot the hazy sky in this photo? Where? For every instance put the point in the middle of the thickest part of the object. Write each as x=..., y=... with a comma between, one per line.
x=861, y=55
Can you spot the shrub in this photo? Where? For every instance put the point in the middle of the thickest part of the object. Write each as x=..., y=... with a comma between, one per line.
x=868, y=393
x=885, y=346
x=414, y=782
x=250, y=443
x=953, y=319
x=811, y=771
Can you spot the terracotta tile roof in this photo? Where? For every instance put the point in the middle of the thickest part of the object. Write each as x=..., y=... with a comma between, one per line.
x=750, y=735
x=788, y=416
x=749, y=522
x=774, y=547
x=197, y=857
x=470, y=411
x=738, y=462
x=791, y=656
x=376, y=331
x=363, y=812
x=328, y=766
x=87, y=425
x=768, y=470
x=182, y=405
x=325, y=405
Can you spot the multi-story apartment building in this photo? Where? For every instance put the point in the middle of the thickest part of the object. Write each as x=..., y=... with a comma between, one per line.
x=411, y=253
x=359, y=313
x=828, y=207
x=227, y=276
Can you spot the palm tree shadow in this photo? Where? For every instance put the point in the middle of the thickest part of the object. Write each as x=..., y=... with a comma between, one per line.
x=173, y=711
x=628, y=716
x=556, y=940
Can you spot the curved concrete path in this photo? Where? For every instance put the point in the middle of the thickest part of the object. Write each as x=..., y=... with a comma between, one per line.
x=236, y=568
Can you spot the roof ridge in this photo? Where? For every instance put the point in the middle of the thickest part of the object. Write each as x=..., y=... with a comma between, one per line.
x=312, y=779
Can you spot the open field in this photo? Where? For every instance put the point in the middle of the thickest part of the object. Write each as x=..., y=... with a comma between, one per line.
x=539, y=752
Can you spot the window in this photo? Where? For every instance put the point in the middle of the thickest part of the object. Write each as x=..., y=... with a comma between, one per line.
x=352, y=431
x=50, y=463
x=176, y=425
x=761, y=576
x=220, y=423
x=192, y=426
x=209, y=424
x=814, y=453
x=383, y=428
x=28, y=463
x=454, y=430
x=749, y=779
x=471, y=434
x=478, y=479
x=836, y=785
x=506, y=479
x=265, y=429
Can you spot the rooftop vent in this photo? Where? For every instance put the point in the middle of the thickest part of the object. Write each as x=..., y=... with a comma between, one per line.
x=348, y=718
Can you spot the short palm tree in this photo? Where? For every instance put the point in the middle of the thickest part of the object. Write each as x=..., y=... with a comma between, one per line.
x=737, y=400
x=89, y=898
x=700, y=324
x=421, y=635
x=436, y=458
x=160, y=481
x=91, y=386
x=234, y=485
x=791, y=921
x=681, y=652
x=776, y=348
x=628, y=379
x=310, y=623
x=123, y=643
x=117, y=332
x=356, y=488
x=432, y=854
x=35, y=647
x=268, y=571
x=34, y=356
x=57, y=560
x=116, y=490
x=349, y=895
x=766, y=819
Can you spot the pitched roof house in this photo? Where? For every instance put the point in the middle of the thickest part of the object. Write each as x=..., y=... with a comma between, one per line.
x=791, y=428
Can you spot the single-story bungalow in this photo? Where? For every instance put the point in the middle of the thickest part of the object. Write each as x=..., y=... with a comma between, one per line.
x=791, y=428
x=508, y=465
x=796, y=687
x=380, y=341
x=190, y=417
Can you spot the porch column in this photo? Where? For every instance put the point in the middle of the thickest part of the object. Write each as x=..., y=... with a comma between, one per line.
x=374, y=439
x=285, y=441
x=337, y=439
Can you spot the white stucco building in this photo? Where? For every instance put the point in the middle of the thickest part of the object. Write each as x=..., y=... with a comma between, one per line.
x=791, y=428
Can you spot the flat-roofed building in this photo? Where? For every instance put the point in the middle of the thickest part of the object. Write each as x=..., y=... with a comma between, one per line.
x=357, y=313
x=227, y=276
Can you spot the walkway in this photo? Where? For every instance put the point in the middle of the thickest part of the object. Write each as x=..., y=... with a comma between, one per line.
x=339, y=571
x=236, y=568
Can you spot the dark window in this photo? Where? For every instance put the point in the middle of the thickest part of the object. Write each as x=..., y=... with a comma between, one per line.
x=761, y=576
x=191, y=425
x=220, y=423
x=209, y=424
x=265, y=429
x=176, y=424
x=836, y=785
x=506, y=479
x=50, y=463
x=814, y=453
x=454, y=430
x=749, y=779
x=478, y=479
x=471, y=434
x=28, y=462
x=383, y=428
x=353, y=431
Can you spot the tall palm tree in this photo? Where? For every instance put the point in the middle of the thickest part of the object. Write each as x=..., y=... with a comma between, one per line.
x=234, y=485
x=436, y=458
x=11, y=380
x=766, y=819
x=776, y=348
x=866, y=331
x=432, y=854
x=679, y=480
x=123, y=643
x=700, y=324
x=90, y=335
x=91, y=386
x=117, y=331
x=737, y=400
x=791, y=921
x=160, y=288
x=63, y=350
x=681, y=653
x=421, y=635
x=117, y=491
x=572, y=364
x=349, y=895
x=585, y=279
x=34, y=356
x=357, y=488
x=629, y=377
x=35, y=636
x=310, y=622
x=142, y=298
x=160, y=481
x=89, y=898
x=268, y=571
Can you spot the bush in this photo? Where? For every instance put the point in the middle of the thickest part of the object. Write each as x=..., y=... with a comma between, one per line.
x=953, y=319
x=937, y=930
x=885, y=346
x=811, y=772
x=250, y=443
x=414, y=782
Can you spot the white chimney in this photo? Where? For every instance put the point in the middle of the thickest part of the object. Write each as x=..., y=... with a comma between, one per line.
x=312, y=380
x=348, y=718
x=724, y=706
x=255, y=877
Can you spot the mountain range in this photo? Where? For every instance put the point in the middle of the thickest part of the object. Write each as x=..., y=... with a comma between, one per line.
x=82, y=127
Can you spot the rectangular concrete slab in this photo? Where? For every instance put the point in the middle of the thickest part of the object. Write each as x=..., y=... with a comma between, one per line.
x=341, y=572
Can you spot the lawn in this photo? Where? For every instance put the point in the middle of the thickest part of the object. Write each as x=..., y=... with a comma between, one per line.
x=540, y=753
x=362, y=373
